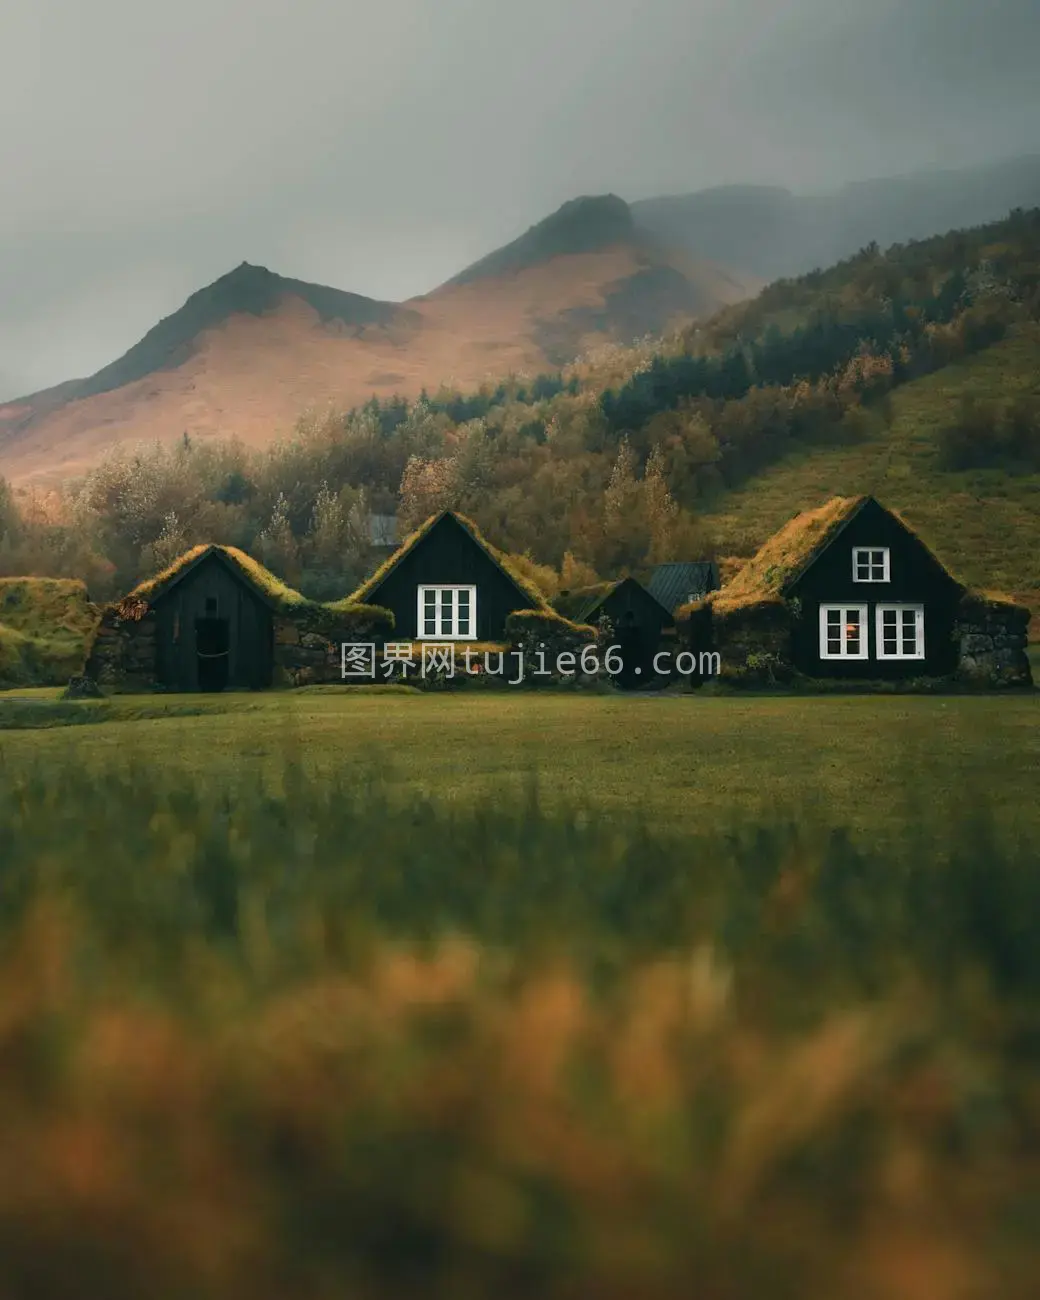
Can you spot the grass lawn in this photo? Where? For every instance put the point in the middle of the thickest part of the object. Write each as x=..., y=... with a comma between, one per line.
x=869, y=762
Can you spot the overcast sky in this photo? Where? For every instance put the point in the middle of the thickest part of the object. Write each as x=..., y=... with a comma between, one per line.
x=381, y=145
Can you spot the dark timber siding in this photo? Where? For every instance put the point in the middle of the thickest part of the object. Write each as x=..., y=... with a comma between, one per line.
x=445, y=556
x=916, y=578
x=250, y=629
x=630, y=597
x=638, y=621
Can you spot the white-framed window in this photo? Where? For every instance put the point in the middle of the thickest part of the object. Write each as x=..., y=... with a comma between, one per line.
x=870, y=564
x=448, y=613
x=899, y=631
x=843, y=632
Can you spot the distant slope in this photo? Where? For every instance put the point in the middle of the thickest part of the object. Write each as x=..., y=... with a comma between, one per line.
x=769, y=232
x=583, y=225
x=985, y=524
x=246, y=355
x=588, y=273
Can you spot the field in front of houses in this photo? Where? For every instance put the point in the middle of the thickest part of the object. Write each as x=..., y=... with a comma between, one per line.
x=680, y=760
x=329, y=993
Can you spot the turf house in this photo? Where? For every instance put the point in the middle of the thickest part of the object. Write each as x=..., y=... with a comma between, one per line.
x=215, y=620
x=850, y=591
x=635, y=620
x=446, y=583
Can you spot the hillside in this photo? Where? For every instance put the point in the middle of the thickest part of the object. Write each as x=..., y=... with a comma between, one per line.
x=247, y=355
x=770, y=232
x=984, y=524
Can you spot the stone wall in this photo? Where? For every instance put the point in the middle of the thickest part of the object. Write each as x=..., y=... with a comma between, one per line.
x=308, y=641
x=307, y=644
x=753, y=640
x=992, y=638
x=123, y=653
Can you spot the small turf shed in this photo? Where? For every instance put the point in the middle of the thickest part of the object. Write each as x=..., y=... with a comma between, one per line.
x=216, y=620
x=637, y=620
x=849, y=590
x=446, y=582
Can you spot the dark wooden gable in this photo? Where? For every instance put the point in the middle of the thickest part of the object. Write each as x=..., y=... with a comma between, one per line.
x=915, y=577
x=629, y=601
x=448, y=554
x=214, y=628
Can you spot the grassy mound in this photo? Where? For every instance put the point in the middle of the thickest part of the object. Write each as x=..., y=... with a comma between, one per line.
x=45, y=629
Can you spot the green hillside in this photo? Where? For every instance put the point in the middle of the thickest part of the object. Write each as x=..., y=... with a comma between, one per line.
x=984, y=523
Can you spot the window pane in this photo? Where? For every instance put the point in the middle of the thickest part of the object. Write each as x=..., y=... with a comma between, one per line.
x=909, y=620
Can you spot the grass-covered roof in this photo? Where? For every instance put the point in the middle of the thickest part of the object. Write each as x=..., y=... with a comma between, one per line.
x=785, y=555
x=371, y=584
x=580, y=602
x=768, y=575
x=272, y=588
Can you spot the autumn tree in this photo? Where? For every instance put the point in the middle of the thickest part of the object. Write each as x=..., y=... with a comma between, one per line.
x=426, y=487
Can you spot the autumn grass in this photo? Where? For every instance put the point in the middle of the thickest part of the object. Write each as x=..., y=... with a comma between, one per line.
x=344, y=1039
x=984, y=524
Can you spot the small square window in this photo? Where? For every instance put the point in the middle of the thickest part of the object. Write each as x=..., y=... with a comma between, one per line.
x=870, y=564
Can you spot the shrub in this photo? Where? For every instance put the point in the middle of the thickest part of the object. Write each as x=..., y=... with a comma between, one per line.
x=993, y=435
x=543, y=632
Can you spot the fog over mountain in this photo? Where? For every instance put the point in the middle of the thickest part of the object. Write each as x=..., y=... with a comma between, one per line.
x=381, y=147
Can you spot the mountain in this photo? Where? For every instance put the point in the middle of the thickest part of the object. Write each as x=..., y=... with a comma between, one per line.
x=248, y=354
x=771, y=233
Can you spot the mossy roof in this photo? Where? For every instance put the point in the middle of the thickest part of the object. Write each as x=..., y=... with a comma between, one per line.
x=770, y=573
x=786, y=555
x=580, y=602
x=262, y=580
x=372, y=584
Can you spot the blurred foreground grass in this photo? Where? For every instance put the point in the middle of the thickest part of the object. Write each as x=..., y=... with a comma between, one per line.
x=339, y=1040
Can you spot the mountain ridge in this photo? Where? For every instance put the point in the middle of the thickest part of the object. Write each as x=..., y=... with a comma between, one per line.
x=248, y=353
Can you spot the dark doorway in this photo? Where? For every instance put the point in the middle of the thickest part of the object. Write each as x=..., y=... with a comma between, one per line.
x=212, y=648
x=632, y=650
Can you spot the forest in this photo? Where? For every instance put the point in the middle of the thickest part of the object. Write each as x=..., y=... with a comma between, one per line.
x=605, y=467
